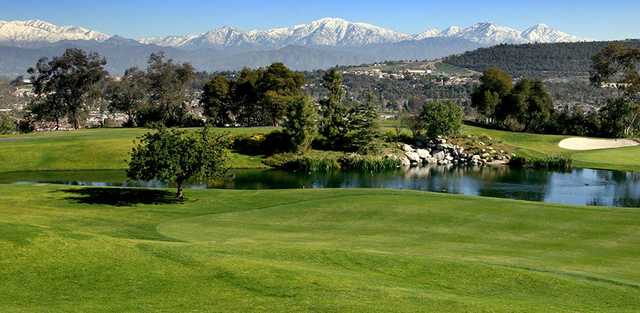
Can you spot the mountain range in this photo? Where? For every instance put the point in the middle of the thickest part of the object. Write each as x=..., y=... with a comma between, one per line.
x=318, y=44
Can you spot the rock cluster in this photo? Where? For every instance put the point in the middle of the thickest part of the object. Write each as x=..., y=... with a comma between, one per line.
x=439, y=152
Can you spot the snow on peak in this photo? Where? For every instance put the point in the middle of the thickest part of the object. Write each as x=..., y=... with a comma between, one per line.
x=489, y=33
x=429, y=33
x=32, y=31
x=329, y=31
x=543, y=33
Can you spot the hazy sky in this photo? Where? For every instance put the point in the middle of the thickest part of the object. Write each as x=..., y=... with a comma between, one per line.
x=603, y=19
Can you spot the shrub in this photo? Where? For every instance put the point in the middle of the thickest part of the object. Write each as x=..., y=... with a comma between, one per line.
x=275, y=142
x=394, y=136
x=7, y=124
x=248, y=144
x=26, y=125
x=259, y=144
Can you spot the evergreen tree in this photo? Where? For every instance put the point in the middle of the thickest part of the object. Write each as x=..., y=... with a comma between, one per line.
x=300, y=124
x=334, y=125
x=363, y=126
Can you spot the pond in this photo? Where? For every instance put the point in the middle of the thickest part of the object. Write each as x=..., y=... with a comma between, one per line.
x=577, y=186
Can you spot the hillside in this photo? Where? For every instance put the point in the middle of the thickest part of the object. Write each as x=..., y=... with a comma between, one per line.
x=540, y=60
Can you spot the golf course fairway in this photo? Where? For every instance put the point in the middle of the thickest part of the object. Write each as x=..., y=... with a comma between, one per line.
x=71, y=249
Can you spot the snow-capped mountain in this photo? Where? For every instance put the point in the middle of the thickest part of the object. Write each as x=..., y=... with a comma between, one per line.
x=450, y=31
x=429, y=33
x=544, y=33
x=323, y=32
x=319, y=44
x=36, y=31
x=339, y=32
x=334, y=32
x=487, y=34
x=169, y=41
x=342, y=33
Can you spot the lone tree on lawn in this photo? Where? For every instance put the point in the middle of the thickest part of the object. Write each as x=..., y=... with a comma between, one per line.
x=176, y=156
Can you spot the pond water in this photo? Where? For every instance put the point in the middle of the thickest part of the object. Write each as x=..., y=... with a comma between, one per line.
x=577, y=186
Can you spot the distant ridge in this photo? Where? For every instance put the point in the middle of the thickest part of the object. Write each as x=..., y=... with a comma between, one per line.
x=323, y=32
x=316, y=45
x=540, y=60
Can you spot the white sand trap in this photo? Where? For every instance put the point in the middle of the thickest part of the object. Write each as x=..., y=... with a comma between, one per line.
x=583, y=144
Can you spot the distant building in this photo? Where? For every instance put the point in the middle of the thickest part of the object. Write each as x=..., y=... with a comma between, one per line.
x=614, y=85
x=23, y=88
x=419, y=72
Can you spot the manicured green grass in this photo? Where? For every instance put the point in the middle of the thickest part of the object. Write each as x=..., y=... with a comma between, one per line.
x=88, y=149
x=66, y=249
x=109, y=149
x=535, y=145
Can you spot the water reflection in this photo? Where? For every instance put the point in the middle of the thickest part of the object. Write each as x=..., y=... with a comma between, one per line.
x=578, y=186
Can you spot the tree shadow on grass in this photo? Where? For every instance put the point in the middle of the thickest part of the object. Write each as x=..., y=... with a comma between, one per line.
x=121, y=196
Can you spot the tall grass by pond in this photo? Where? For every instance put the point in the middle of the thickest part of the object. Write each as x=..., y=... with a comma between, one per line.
x=323, y=162
x=551, y=162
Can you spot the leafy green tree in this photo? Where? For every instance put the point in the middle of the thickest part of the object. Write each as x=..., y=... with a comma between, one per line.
x=277, y=87
x=494, y=85
x=539, y=107
x=175, y=156
x=301, y=123
x=440, y=118
x=621, y=118
x=216, y=100
x=128, y=94
x=63, y=85
x=169, y=89
x=247, y=107
x=528, y=107
x=620, y=65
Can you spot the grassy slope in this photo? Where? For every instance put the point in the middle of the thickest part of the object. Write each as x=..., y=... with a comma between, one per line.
x=66, y=249
x=535, y=145
x=87, y=149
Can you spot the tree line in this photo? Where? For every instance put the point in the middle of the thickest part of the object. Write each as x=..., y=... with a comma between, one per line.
x=527, y=105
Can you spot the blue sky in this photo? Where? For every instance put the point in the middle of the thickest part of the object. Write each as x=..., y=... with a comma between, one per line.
x=610, y=19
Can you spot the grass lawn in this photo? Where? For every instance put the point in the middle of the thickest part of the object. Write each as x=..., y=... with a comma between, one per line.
x=535, y=145
x=89, y=149
x=66, y=249
x=109, y=149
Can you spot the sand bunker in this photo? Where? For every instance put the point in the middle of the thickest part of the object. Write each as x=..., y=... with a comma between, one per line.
x=583, y=144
